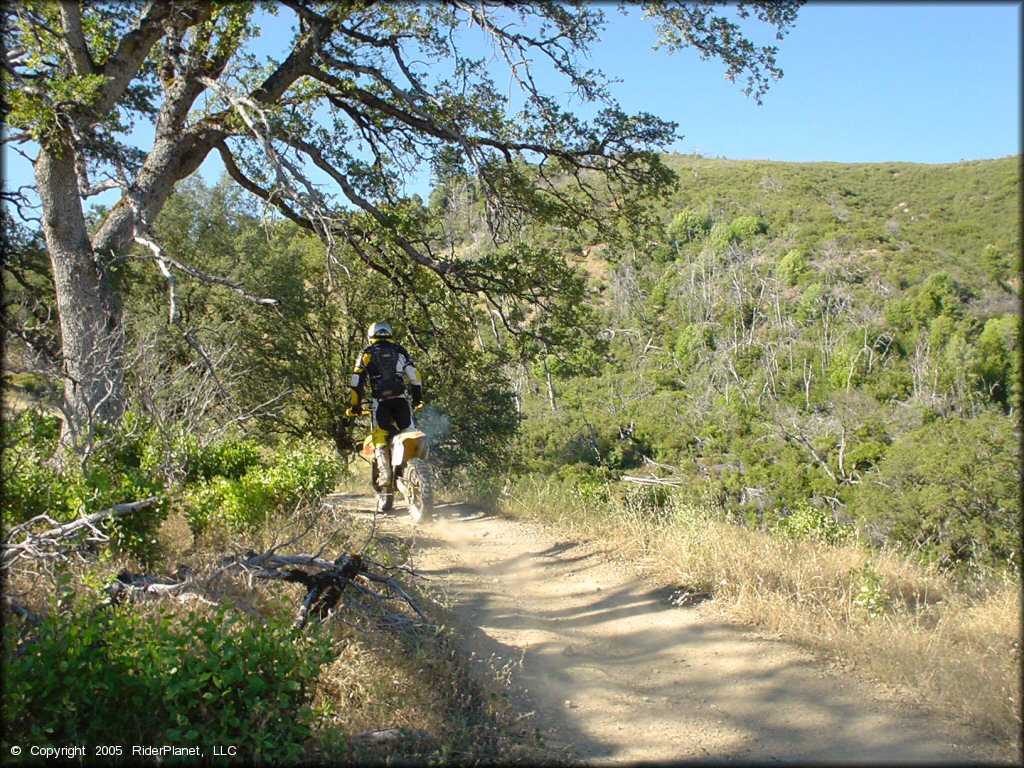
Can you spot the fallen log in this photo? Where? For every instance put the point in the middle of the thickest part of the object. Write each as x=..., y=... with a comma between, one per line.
x=325, y=582
x=130, y=587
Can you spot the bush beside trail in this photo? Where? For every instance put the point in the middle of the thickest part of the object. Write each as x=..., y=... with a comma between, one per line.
x=214, y=679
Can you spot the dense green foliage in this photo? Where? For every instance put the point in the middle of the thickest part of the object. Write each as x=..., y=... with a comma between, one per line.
x=817, y=351
x=207, y=679
x=245, y=500
x=782, y=335
x=302, y=352
x=232, y=479
x=198, y=681
x=951, y=488
x=120, y=470
x=83, y=668
x=358, y=94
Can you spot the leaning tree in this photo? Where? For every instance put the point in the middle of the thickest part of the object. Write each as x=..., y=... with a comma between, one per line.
x=323, y=122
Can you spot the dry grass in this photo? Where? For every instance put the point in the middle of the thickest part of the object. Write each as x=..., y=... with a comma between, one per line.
x=928, y=638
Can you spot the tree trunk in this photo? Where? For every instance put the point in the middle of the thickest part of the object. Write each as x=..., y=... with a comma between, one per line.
x=88, y=304
x=551, y=385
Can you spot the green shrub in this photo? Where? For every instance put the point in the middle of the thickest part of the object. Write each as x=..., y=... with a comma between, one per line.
x=688, y=225
x=587, y=483
x=35, y=489
x=868, y=446
x=128, y=465
x=230, y=458
x=997, y=263
x=298, y=471
x=176, y=454
x=31, y=487
x=202, y=503
x=170, y=453
x=871, y=595
x=939, y=295
x=249, y=501
x=844, y=366
x=806, y=522
x=747, y=227
x=690, y=340
x=811, y=303
x=720, y=237
x=112, y=677
x=781, y=471
x=950, y=490
x=892, y=381
x=294, y=473
x=112, y=474
x=998, y=359
x=792, y=266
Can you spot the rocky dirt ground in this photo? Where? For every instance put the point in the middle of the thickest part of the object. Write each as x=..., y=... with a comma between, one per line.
x=613, y=670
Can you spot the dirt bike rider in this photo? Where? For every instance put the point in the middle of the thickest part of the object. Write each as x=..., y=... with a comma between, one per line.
x=389, y=366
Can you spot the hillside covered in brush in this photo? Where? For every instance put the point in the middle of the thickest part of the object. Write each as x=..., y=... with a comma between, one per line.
x=804, y=341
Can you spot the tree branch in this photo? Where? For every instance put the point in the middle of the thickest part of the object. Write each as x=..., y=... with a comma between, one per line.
x=264, y=194
x=217, y=279
x=52, y=542
x=74, y=39
x=132, y=49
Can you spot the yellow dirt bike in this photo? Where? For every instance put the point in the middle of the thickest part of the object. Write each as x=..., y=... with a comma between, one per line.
x=407, y=452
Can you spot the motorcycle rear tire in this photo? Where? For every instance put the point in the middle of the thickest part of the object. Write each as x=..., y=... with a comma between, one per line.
x=421, y=490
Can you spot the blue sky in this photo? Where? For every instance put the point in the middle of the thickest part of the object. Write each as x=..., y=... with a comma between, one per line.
x=864, y=82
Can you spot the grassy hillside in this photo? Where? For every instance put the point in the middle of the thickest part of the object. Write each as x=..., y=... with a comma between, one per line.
x=785, y=336
x=905, y=219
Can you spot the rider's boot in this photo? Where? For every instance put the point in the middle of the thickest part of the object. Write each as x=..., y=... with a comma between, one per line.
x=383, y=466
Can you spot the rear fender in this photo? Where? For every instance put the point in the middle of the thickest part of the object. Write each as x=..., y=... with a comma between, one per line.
x=410, y=444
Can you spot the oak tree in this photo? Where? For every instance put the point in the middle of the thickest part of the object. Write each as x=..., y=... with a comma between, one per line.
x=134, y=96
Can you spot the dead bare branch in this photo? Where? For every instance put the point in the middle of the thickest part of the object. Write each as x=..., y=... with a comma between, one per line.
x=55, y=542
x=654, y=481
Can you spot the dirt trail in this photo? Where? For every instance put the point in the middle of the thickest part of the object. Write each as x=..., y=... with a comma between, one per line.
x=614, y=672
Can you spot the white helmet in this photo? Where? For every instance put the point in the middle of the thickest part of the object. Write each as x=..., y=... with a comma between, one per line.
x=378, y=331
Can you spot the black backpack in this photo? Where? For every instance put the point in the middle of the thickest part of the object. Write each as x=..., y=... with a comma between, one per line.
x=385, y=380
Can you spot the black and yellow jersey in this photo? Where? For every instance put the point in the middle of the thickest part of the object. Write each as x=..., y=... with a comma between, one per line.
x=389, y=368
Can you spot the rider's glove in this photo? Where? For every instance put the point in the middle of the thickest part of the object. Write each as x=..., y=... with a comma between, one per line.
x=417, y=404
x=353, y=411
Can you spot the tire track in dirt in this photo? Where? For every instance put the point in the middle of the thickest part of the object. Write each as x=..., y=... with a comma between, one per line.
x=611, y=671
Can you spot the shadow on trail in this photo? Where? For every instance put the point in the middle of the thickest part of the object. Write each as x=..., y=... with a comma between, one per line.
x=613, y=671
